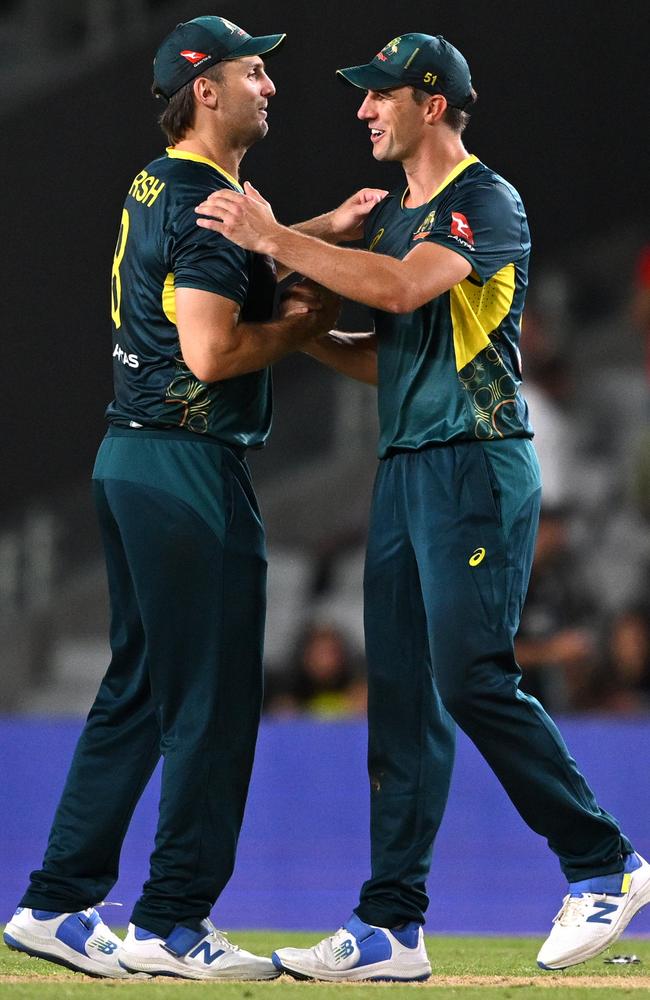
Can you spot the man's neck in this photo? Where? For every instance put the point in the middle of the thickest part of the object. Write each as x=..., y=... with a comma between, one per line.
x=428, y=169
x=210, y=147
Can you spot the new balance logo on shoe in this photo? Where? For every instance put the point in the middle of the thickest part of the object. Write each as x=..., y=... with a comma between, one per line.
x=208, y=956
x=102, y=944
x=343, y=950
x=602, y=918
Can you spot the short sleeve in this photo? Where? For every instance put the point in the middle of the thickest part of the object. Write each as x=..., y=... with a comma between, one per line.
x=201, y=258
x=485, y=223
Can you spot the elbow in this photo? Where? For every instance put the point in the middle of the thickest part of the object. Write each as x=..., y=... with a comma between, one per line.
x=400, y=298
x=394, y=305
x=212, y=366
x=205, y=370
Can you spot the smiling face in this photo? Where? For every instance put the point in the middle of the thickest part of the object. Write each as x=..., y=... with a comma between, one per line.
x=396, y=122
x=243, y=100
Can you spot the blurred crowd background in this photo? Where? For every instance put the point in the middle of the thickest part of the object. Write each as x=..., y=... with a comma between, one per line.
x=560, y=106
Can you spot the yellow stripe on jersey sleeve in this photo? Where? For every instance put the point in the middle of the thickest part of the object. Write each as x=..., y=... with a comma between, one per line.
x=169, y=298
x=477, y=310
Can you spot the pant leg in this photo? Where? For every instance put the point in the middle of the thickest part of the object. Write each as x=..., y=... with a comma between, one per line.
x=115, y=756
x=203, y=605
x=197, y=589
x=411, y=736
x=474, y=557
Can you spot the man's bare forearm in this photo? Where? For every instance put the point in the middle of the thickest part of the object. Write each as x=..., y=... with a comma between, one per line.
x=254, y=346
x=350, y=354
x=319, y=227
x=373, y=279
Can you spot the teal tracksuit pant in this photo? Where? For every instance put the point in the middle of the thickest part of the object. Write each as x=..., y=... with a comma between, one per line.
x=186, y=565
x=450, y=549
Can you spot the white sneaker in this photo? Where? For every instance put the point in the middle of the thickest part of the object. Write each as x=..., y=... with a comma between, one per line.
x=360, y=951
x=188, y=954
x=595, y=914
x=80, y=941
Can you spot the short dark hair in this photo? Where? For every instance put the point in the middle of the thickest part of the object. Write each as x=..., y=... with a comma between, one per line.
x=456, y=119
x=178, y=115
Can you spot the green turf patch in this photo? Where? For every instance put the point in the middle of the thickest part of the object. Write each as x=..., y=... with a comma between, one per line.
x=464, y=968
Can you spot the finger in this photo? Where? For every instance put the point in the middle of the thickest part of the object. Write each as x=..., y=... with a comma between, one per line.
x=253, y=193
x=214, y=224
x=218, y=198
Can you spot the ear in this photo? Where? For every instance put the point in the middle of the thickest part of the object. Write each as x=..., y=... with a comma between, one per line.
x=206, y=92
x=435, y=109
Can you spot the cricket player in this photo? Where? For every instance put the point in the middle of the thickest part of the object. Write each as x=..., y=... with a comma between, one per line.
x=453, y=523
x=192, y=341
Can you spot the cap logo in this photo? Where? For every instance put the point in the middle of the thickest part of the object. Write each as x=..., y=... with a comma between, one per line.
x=232, y=28
x=193, y=57
x=389, y=50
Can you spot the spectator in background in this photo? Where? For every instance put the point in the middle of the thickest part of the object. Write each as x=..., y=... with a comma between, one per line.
x=623, y=684
x=640, y=309
x=556, y=645
x=325, y=678
x=547, y=389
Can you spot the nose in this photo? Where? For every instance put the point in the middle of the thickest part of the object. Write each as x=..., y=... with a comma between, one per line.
x=268, y=87
x=366, y=111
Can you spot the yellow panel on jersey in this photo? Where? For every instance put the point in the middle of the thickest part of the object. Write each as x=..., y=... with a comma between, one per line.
x=169, y=298
x=477, y=310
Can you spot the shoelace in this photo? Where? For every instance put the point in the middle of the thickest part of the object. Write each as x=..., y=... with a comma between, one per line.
x=220, y=937
x=574, y=908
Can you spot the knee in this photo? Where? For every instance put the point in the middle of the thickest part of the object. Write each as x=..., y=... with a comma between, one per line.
x=464, y=693
x=456, y=695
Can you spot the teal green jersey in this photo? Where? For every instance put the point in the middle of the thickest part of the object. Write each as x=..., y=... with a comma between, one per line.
x=161, y=248
x=451, y=370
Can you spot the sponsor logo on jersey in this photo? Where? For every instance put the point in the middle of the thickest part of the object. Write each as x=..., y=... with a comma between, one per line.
x=376, y=238
x=461, y=231
x=477, y=557
x=425, y=227
x=132, y=360
x=194, y=57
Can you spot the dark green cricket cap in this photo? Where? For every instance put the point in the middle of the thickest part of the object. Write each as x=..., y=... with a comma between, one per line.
x=194, y=46
x=428, y=62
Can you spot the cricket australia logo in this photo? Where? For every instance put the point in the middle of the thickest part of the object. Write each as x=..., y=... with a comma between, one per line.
x=343, y=950
x=425, y=226
x=389, y=50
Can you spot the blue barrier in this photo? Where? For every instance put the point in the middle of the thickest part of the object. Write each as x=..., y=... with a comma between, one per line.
x=304, y=846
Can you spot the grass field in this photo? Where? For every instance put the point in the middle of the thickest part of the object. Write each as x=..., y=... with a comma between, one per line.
x=463, y=969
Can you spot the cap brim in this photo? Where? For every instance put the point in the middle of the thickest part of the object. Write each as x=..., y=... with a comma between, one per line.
x=260, y=46
x=369, y=77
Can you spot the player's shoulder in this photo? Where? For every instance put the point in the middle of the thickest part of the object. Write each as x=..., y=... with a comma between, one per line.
x=389, y=205
x=189, y=177
x=480, y=181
